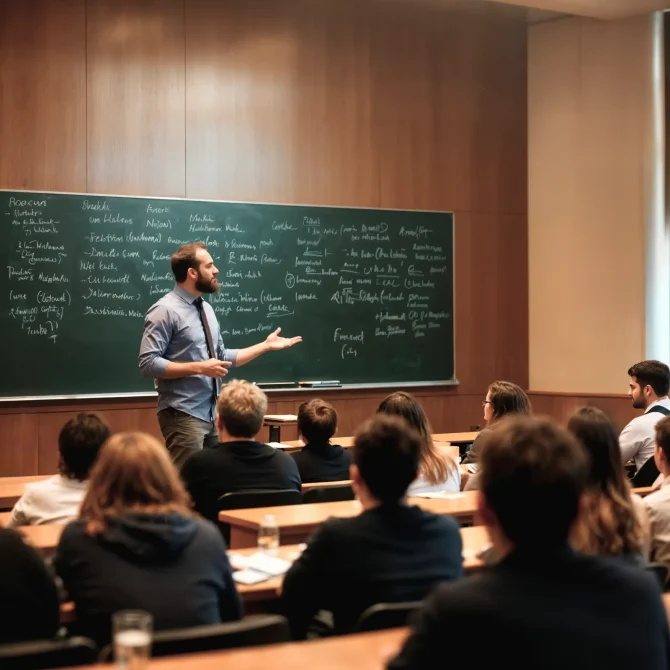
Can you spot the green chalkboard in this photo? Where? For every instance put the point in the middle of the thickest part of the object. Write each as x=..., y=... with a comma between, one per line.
x=370, y=291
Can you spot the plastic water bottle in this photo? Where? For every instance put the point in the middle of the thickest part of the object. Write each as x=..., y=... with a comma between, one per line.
x=268, y=536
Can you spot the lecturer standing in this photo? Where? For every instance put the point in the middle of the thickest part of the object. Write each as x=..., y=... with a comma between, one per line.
x=183, y=351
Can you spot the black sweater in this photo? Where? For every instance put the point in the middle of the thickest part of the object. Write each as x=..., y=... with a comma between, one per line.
x=236, y=466
x=29, y=607
x=174, y=567
x=322, y=462
x=392, y=553
x=551, y=610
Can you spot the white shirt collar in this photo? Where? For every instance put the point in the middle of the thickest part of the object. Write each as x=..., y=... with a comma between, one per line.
x=660, y=401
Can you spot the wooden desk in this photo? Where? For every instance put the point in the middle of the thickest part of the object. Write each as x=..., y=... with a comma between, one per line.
x=276, y=421
x=643, y=491
x=45, y=538
x=365, y=651
x=456, y=438
x=348, y=443
x=319, y=485
x=297, y=522
x=11, y=488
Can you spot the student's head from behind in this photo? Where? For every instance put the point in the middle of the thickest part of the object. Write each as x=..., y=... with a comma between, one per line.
x=385, y=460
x=133, y=474
x=317, y=420
x=597, y=435
x=409, y=408
x=79, y=443
x=649, y=381
x=240, y=410
x=608, y=523
x=662, y=450
x=533, y=474
x=504, y=398
x=193, y=265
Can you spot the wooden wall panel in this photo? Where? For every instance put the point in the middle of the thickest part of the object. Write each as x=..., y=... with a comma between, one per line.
x=592, y=168
x=278, y=100
x=561, y=406
x=49, y=424
x=18, y=445
x=135, y=78
x=491, y=300
x=371, y=103
x=43, y=95
x=450, y=110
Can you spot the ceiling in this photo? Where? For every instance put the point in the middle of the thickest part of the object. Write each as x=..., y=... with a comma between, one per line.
x=599, y=9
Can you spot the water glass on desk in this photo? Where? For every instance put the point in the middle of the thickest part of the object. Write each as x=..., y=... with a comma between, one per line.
x=132, y=639
x=268, y=536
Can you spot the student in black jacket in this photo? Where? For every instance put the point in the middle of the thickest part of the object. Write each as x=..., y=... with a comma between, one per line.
x=138, y=545
x=29, y=606
x=543, y=606
x=391, y=552
x=319, y=460
x=238, y=462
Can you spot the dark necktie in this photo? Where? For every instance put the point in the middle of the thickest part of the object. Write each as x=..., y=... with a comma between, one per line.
x=208, y=337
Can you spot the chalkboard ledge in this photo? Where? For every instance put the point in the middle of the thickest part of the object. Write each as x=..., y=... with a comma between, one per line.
x=153, y=394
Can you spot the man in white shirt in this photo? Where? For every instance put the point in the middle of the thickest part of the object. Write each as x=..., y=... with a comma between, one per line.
x=58, y=499
x=658, y=503
x=648, y=388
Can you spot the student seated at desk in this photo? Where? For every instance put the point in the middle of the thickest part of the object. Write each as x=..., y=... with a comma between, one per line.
x=502, y=399
x=648, y=390
x=613, y=521
x=391, y=552
x=238, y=462
x=437, y=470
x=319, y=460
x=57, y=499
x=658, y=502
x=29, y=606
x=138, y=545
x=543, y=606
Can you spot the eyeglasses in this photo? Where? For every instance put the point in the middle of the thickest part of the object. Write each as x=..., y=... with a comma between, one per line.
x=486, y=402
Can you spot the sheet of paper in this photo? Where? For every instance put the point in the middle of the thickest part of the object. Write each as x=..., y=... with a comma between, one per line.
x=281, y=417
x=439, y=494
x=249, y=577
x=279, y=445
x=269, y=565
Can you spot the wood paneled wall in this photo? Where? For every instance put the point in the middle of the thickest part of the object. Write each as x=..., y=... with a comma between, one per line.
x=593, y=171
x=369, y=103
x=561, y=406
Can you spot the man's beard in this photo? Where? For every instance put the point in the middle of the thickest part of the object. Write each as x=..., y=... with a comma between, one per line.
x=206, y=287
x=639, y=403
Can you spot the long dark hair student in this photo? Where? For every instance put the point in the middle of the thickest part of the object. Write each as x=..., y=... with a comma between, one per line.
x=609, y=525
x=435, y=467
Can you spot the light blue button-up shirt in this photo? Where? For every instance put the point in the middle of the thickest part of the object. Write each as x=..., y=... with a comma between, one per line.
x=173, y=332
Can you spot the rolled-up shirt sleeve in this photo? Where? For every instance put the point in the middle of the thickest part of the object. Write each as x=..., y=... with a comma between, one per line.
x=155, y=340
x=629, y=442
x=224, y=354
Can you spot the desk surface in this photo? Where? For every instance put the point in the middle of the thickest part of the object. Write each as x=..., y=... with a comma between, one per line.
x=11, y=488
x=365, y=651
x=348, y=441
x=45, y=538
x=456, y=438
x=308, y=517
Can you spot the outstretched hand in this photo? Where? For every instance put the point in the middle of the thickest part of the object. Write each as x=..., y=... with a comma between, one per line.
x=275, y=342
